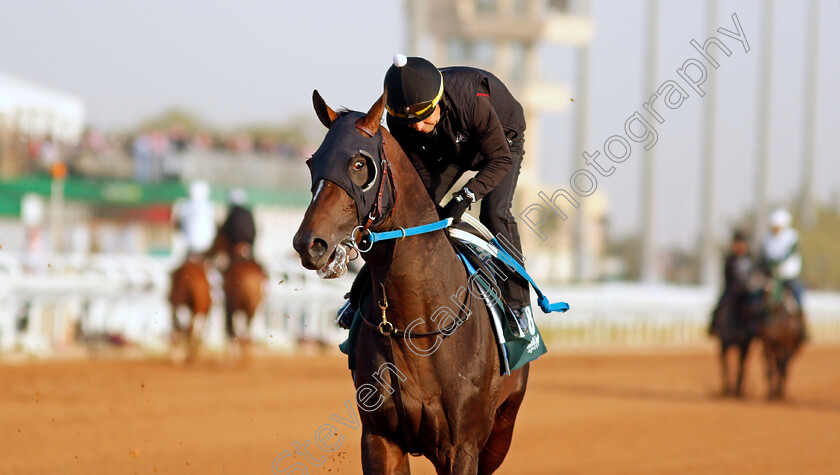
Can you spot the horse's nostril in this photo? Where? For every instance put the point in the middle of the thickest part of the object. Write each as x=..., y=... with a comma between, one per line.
x=318, y=247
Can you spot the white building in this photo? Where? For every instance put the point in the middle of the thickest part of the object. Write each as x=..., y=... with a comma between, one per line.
x=504, y=37
x=39, y=111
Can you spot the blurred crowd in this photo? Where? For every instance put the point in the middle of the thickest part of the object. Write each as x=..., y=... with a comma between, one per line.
x=146, y=156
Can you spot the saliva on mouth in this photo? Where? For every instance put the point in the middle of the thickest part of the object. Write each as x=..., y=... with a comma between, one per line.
x=337, y=265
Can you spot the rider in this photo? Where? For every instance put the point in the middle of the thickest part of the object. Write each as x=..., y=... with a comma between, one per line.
x=452, y=120
x=238, y=231
x=736, y=270
x=456, y=119
x=780, y=257
x=194, y=218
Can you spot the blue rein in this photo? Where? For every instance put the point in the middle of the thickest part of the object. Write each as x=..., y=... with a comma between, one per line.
x=500, y=253
x=426, y=228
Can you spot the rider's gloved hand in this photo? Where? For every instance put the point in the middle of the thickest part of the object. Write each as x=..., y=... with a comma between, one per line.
x=456, y=207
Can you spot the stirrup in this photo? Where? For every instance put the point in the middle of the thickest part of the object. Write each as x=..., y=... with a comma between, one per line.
x=344, y=316
x=518, y=321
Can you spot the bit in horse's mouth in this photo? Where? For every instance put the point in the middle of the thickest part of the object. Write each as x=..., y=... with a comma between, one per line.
x=337, y=264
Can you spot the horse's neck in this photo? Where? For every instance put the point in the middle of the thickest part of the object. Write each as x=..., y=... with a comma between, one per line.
x=424, y=266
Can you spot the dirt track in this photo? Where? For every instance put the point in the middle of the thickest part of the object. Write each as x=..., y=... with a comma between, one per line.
x=625, y=413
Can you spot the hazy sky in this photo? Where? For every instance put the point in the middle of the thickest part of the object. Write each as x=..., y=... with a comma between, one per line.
x=259, y=61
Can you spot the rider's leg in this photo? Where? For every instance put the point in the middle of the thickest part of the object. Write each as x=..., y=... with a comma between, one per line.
x=348, y=310
x=796, y=288
x=716, y=311
x=496, y=215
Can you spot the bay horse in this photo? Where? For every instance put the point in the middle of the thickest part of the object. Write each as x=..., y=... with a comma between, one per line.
x=243, y=282
x=451, y=405
x=782, y=333
x=190, y=289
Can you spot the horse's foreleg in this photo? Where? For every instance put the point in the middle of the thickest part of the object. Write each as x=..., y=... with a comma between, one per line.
x=382, y=456
x=782, y=378
x=194, y=331
x=770, y=361
x=229, y=328
x=742, y=358
x=245, y=339
x=724, y=370
x=177, y=335
x=496, y=448
x=465, y=460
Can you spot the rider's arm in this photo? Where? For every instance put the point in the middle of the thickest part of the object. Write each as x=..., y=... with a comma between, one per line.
x=494, y=147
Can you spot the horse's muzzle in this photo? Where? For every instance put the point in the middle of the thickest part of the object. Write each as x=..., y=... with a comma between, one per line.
x=312, y=250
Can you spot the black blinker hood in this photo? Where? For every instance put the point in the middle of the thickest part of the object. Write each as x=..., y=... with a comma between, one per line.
x=330, y=161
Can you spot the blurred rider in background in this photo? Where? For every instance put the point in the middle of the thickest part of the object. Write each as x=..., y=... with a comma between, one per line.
x=195, y=219
x=780, y=256
x=736, y=272
x=237, y=233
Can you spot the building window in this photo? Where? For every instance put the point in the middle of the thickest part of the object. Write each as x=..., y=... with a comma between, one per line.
x=458, y=51
x=484, y=53
x=520, y=7
x=486, y=6
x=518, y=61
x=558, y=6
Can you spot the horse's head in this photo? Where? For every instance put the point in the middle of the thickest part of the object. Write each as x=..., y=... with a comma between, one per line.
x=347, y=171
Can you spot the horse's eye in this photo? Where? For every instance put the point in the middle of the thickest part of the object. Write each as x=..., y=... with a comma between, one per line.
x=358, y=166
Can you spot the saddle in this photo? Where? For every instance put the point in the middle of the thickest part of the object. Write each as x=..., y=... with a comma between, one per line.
x=516, y=348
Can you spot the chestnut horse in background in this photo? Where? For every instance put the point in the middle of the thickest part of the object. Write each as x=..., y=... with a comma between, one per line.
x=190, y=289
x=243, y=281
x=442, y=394
x=782, y=333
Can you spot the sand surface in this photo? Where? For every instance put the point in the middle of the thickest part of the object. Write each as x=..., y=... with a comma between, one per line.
x=583, y=413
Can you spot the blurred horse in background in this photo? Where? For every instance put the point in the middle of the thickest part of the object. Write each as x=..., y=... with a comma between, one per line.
x=190, y=289
x=736, y=318
x=243, y=285
x=737, y=324
x=243, y=279
x=782, y=332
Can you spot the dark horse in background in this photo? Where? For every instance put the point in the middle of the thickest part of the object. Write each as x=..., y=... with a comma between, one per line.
x=782, y=333
x=737, y=320
x=759, y=306
x=452, y=406
x=190, y=289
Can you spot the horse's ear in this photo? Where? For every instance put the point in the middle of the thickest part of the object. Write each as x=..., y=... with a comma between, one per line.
x=373, y=118
x=325, y=114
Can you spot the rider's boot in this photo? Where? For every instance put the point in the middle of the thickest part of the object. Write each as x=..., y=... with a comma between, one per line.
x=344, y=317
x=712, y=330
x=360, y=288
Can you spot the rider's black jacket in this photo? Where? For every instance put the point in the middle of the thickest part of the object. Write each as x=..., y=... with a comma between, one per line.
x=479, y=120
x=736, y=272
x=239, y=226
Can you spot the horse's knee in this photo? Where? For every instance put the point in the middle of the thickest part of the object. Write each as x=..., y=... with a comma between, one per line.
x=380, y=455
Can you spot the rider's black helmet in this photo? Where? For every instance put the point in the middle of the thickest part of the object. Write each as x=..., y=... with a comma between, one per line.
x=740, y=236
x=413, y=87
